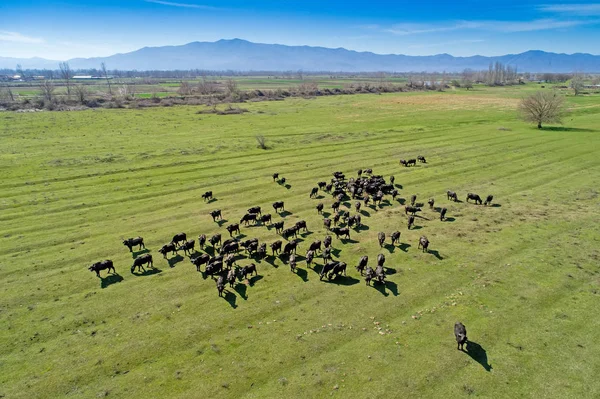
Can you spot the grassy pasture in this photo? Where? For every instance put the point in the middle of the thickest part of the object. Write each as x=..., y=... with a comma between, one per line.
x=522, y=275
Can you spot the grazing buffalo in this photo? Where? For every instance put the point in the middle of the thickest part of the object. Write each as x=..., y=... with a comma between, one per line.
x=309, y=257
x=392, y=180
x=229, y=248
x=411, y=162
x=282, y=180
x=327, y=241
x=188, y=247
x=291, y=231
x=338, y=269
x=413, y=198
x=275, y=176
x=292, y=262
x=200, y=260
x=403, y=162
x=380, y=260
x=141, y=261
x=362, y=263
x=474, y=197
x=103, y=265
x=369, y=274
x=395, y=237
x=221, y=285
x=301, y=224
x=315, y=246
x=276, y=247
x=366, y=199
x=261, y=252
x=411, y=221
x=488, y=200
x=380, y=274
x=424, y=243
x=452, y=195
x=381, y=238
x=342, y=232
x=215, y=239
x=328, y=188
x=394, y=194
x=231, y=277
x=327, y=223
x=214, y=267
x=431, y=202
x=335, y=206
x=460, y=332
x=279, y=206
x=233, y=228
x=179, y=238
x=265, y=219
x=216, y=214
x=290, y=247
x=421, y=158
x=247, y=243
x=228, y=241
x=201, y=240
x=357, y=220
x=248, y=270
x=327, y=267
x=357, y=206
x=411, y=209
x=249, y=217
x=320, y=208
x=326, y=254
x=132, y=242
x=165, y=249
x=278, y=226
x=368, y=171
x=314, y=192
x=255, y=209
x=443, y=214
x=207, y=195
x=336, y=219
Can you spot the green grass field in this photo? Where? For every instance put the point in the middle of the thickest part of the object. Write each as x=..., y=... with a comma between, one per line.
x=522, y=275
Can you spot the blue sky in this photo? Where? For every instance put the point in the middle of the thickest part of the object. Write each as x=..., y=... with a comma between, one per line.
x=66, y=29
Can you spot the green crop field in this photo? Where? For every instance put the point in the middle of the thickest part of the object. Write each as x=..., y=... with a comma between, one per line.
x=522, y=275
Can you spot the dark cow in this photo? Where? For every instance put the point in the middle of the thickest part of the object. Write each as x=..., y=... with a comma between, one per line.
x=221, y=285
x=411, y=162
x=229, y=260
x=392, y=180
x=252, y=248
x=326, y=254
x=214, y=267
x=320, y=208
x=403, y=162
x=188, y=247
x=291, y=231
x=261, y=252
x=452, y=195
x=368, y=171
x=215, y=239
x=394, y=194
x=255, y=209
x=233, y=228
x=327, y=223
x=322, y=184
x=423, y=243
x=275, y=176
x=395, y=236
x=314, y=192
x=103, y=265
x=231, y=276
x=247, y=243
x=380, y=274
x=338, y=269
x=166, y=249
x=431, y=202
x=249, y=217
x=413, y=198
x=460, y=333
x=200, y=260
x=328, y=188
x=265, y=219
x=315, y=246
x=369, y=274
x=278, y=226
x=327, y=241
x=443, y=214
x=488, y=201
x=276, y=247
x=292, y=262
x=216, y=214
x=357, y=206
x=366, y=199
x=282, y=180
x=229, y=248
x=301, y=225
x=335, y=206
x=132, y=242
x=342, y=232
x=327, y=267
x=336, y=219
x=207, y=195
x=362, y=263
x=380, y=260
x=360, y=172
x=279, y=206
x=421, y=158
x=201, y=240
x=357, y=220
x=290, y=247
x=411, y=209
x=179, y=238
x=309, y=257
x=411, y=221
x=228, y=241
x=248, y=270
x=141, y=261
x=381, y=238
x=474, y=197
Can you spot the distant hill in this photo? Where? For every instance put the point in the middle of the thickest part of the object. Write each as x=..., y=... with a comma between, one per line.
x=241, y=55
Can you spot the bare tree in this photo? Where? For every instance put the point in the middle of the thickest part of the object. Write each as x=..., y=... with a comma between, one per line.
x=542, y=107
x=577, y=84
x=105, y=73
x=231, y=87
x=81, y=92
x=47, y=89
x=7, y=93
x=185, y=89
x=66, y=75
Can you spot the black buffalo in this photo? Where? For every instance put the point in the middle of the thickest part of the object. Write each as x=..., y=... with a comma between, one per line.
x=233, y=228
x=290, y=247
x=215, y=239
x=423, y=243
x=413, y=198
x=488, y=200
x=291, y=231
x=229, y=248
x=380, y=260
x=248, y=270
x=411, y=221
x=201, y=240
x=309, y=257
x=369, y=274
x=357, y=206
x=395, y=236
x=165, y=249
x=275, y=176
x=411, y=209
x=315, y=246
x=249, y=217
x=380, y=274
x=362, y=263
x=431, y=202
x=320, y=208
x=337, y=270
x=276, y=247
x=292, y=262
x=221, y=285
x=187, y=247
x=314, y=192
x=327, y=241
x=132, y=242
x=342, y=232
x=474, y=197
x=278, y=226
x=421, y=158
x=452, y=195
x=335, y=206
x=231, y=276
x=381, y=238
x=216, y=214
x=327, y=267
x=326, y=254
x=103, y=265
x=443, y=214
x=200, y=260
x=141, y=261
x=279, y=206
x=207, y=195
x=255, y=209
x=460, y=333
x=179, y=238
x=261, y=252
x=301, y=225
x=265, y=218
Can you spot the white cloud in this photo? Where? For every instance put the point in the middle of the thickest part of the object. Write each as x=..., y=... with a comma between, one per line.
x=572, y=9
x=450, y=43
x=16, y=37
x=415, y=29
x=185, y=5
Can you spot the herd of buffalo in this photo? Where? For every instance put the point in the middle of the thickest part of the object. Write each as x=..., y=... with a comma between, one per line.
x=364, y=189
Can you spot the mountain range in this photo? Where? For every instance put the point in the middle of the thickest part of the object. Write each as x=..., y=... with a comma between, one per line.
x=242, y=55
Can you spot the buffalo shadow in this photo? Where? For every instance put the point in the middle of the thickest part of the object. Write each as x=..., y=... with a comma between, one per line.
x=435, y=253
x=230, y=297
x=478, y=354
x=110, y=279
x=449, y=220
x=210, y=201
x=287, y=186
x=285, y=213
x=221, y=222
x=135, y=254
x=393, y=287
x=400, y=186
x=414, y=227
x=241, y=289
x=147, y=272
x=303, y=274
x=254, y=279
x=326, y=214
x=270, y=259
x=404, y=246
x=495, y=205
x=348, y=241
x=364, y=213
x=343, y=280
x=402, y=201
x=334, y=252
x=421, y=217
x=362, y=227
x=391, y=248
x=175, y=260
x=379, y=287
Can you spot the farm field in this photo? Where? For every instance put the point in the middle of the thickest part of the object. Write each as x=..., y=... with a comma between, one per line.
x=523, y=275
